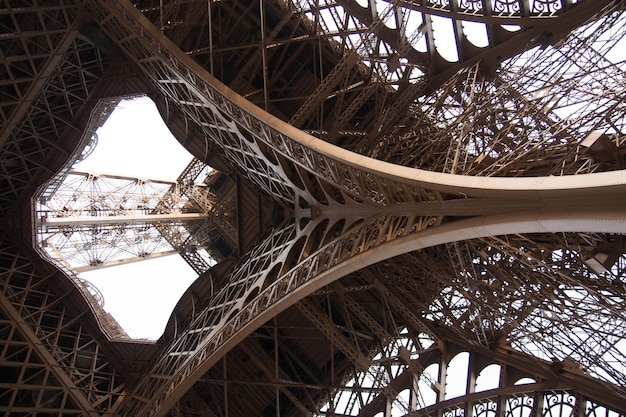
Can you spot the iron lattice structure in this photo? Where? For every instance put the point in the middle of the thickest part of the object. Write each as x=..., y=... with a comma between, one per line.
x=388, y=207
x=86, y=221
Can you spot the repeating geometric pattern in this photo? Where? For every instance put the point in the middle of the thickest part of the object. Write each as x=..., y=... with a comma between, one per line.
x=439, y=223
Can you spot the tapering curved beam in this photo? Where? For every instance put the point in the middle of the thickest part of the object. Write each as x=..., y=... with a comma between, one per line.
x=401, y=208
x=252, y=138
x=214, y=333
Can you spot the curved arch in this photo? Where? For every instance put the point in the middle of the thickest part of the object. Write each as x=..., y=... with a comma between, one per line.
x=269, y=303
x=333, y=163
x=488, y=377
x=525, y=380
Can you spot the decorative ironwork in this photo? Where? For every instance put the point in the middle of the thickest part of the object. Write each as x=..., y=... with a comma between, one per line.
x=491, y=224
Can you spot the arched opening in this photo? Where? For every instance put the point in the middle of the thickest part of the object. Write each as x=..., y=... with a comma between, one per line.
x=456, y=376
x=445, y=38
x=134, y=162
x=427, y=393
x=488, y=378
x=476, y=33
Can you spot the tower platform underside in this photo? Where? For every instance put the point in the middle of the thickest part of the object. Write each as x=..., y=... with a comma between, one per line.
x=416, y=207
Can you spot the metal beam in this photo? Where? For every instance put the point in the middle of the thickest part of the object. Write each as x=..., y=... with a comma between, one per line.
x=131, y=219
x=38, y=83
x=43, y=352
x=124, y=261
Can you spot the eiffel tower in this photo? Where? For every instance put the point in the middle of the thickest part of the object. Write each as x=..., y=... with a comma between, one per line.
x=414, y=187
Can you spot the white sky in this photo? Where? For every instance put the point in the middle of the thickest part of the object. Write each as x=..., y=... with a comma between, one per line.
x=134, y=141
x=141, y=296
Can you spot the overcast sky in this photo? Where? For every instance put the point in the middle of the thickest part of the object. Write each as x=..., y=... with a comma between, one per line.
x=135, y=142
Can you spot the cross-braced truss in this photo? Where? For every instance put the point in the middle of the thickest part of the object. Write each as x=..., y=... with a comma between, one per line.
x=418, y=194
x=87, y=221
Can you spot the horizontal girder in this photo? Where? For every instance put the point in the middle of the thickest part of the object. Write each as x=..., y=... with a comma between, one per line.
x=580, y=203
x=493, y=216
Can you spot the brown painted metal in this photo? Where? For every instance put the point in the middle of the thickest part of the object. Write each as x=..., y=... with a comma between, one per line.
x=491, y=220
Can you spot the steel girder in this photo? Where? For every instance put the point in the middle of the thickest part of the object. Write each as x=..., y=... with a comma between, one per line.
x=377, y=209
x=352, y=212
x=51, y=362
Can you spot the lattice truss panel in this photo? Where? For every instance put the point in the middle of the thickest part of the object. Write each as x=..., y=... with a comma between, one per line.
x=550, y=304
x=138, y=219
x=195, y=245
x=47, y=75
x=353, y=211
x=50, y=363
x=83, y=194
x=391, y=323
x=553, y=110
